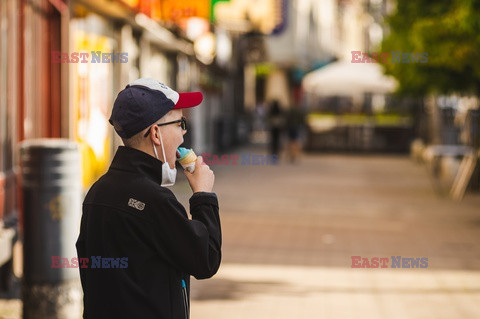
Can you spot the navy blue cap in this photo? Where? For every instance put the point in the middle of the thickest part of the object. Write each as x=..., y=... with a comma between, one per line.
x=145, y=101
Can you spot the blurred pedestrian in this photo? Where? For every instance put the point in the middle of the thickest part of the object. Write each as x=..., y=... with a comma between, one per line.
x=295, y=121
x=260, y=115
x=130, y=215
x=276, y=123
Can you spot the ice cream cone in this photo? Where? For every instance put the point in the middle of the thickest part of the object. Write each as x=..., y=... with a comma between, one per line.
x=187, y=159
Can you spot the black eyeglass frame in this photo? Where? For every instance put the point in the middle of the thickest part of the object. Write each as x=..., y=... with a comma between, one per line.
x=182, y=121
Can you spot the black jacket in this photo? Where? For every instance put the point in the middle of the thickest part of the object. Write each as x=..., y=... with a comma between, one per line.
x=141, y=246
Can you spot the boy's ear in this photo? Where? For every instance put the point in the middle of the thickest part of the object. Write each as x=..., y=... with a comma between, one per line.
x=155, y=135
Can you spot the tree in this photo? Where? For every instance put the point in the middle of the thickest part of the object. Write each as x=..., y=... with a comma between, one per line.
x=449, y=31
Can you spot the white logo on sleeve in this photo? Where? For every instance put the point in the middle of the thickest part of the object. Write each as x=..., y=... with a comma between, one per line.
x=136, y=204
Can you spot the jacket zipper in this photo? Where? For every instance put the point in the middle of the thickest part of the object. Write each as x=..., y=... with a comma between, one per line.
x=185, y=300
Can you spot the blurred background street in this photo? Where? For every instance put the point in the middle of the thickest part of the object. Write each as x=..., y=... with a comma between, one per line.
x=356, y=124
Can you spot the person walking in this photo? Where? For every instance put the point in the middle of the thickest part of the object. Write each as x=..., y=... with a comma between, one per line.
x=141, y=246
x=294, y=124
x=275, y=123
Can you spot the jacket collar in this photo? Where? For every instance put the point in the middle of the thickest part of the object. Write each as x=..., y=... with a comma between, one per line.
x=136, y=161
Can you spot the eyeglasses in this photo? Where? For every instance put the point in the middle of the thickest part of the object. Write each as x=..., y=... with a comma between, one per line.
x=182, y=121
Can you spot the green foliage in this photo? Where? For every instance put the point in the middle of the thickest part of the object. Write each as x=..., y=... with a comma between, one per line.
x=449, y=31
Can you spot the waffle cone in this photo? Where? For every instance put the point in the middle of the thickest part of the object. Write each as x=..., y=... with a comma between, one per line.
x=191, y=157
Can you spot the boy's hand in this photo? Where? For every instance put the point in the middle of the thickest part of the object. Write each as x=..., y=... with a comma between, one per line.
x=202, y=179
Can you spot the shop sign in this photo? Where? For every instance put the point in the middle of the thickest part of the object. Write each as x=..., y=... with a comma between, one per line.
x=178, y=10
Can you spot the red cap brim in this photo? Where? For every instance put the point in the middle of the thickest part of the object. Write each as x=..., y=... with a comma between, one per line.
x=188, y=99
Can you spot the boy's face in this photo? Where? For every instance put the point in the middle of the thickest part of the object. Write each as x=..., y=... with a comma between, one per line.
x=172, y=135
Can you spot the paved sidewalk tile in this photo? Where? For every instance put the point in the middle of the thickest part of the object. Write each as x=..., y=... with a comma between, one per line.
x=274, y=291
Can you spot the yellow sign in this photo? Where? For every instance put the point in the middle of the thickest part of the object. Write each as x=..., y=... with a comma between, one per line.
x=92, y=87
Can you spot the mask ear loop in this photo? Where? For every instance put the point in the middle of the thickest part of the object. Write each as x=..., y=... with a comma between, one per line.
x=155, y=150
x=163, y=150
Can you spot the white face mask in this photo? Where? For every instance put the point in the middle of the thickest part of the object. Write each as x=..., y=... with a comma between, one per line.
x=169, y=175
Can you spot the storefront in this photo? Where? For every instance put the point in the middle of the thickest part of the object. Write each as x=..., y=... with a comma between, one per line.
x=29, y=96
x=8, y=140
x=126, y=28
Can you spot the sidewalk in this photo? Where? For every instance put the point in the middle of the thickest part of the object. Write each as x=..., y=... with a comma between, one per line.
x=289, y=232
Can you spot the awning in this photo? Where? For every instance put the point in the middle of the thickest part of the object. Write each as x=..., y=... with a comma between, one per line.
x=344, y=78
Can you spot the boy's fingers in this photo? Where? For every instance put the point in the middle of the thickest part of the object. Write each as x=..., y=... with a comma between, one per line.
x=200, y=160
